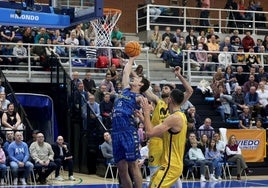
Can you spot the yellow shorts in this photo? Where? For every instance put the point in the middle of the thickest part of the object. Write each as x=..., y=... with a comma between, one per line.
x=155, y=151
x=163, y=179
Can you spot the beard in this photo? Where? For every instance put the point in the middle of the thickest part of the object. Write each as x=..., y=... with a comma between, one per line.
x=164, y=95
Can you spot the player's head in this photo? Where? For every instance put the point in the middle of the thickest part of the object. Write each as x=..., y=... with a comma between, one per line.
x=176, y=96
x=167, y=88
x=141, y=82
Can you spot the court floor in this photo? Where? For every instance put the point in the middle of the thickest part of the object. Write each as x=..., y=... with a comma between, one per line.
x=93, y=181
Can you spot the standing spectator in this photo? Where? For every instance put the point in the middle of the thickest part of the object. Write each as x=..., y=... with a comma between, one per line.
x=206, y=128
x=43, y=156
x=11, y=119
x=248, y=41
x=42, y=34
x=234, y=154
x=204, y=14
x=89, y=83
x=214, y=155
x=156, y=38
x=62, y=157
x=7, y=33
x=107, y=148
x=18, y=153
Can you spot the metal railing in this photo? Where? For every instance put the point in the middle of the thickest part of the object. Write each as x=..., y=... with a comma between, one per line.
x=219, y=19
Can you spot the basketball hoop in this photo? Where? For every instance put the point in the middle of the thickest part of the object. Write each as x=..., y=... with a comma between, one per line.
x=103, y=26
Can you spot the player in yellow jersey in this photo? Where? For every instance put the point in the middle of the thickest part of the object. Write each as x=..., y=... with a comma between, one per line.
x=159, y=115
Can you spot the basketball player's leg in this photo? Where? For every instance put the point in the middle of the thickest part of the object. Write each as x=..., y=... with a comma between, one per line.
x=123, y=173
x=135, y=173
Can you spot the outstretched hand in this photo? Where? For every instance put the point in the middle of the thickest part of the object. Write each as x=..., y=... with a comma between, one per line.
x=177, y=70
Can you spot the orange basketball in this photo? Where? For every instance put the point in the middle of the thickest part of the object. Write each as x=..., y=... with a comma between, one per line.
x=132, y=48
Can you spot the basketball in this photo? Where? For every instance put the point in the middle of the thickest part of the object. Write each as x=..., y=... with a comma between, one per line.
x=132, y=48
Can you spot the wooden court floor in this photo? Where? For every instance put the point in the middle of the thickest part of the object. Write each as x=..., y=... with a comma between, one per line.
x=94, y=181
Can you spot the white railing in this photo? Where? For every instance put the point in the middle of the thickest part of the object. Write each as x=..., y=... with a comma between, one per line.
x=219, y=19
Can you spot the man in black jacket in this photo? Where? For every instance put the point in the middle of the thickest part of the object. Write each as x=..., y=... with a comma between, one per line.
x=62, y=157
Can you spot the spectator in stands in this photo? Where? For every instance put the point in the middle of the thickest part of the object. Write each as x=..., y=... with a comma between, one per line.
x=177, y=36
x=251, y=82
x=9, y=140
x=220, y=145
x=11, y=119
x=192, y=114
x=263, y=57
x=174, y=56
x=198, y=157
x=252, y=101
x=204, y=141
x=139, y=71
x=262, y=75
x=94, y=113
x=167, y=33
x=73, y=42
x=226, y=43
x=89, y=33
x=248, y=41
x=89, y=83
x=212, y=32
x=204, y=14
x=108, y=83
x=230, y=80
x=225, y=58
x=79, y=34
x=245, y=118
x=265, y=41
x=3, y=167
x=27, y=36
x=164, y=47
x=237, y=44
x=186, y=160
x=156, y=38
x=2, y=88
x=114, y=74
x=258, y=46
x=206, y=128
x=240, y=58
x=106, y=108
x=186, y=105
x=191, y=38
x=156, y=89
x=153, y=11
x=91, y=54
x=43, y=157
x=117, y=33
x=39, y=52
x=252, y=60
x=107, y=148
x=52, y=57
x=213, y=46
x=234, y=37
x=18, y=153
x=99, y=94
x=258, y=124
x=201, y=57
x=218, y=79
x=214, y=155
x=3, y=102
x=202, y=34
x=182, y=43
x=238, y=97
x=7, y=53
x=7, y=33
x=42, y=34
x=33, y=138
x=233, y=153
x=240, y=76
x=263, y=99
x=20, y=53
x=58, y=40
x=203, y=40
x=62, y=157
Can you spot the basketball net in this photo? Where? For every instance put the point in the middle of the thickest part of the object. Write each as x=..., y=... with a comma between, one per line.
x=104, y=26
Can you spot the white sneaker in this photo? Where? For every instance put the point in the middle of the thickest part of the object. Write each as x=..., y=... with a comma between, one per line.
x=23, y=182
x=212, y=178
x=72, y=178
x=219, y=178
x=2, y=181
x=202, y=178
x=15, y=181
x=59, y=178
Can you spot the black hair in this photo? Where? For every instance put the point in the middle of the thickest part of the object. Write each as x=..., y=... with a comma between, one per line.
x=170, y=86
x=146, y=85
x=177, y=96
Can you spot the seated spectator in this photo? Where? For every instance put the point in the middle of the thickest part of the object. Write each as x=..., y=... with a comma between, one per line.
x=258, y=124
x=191, y=39
x=252, y=59
x=27, y=36
x=234, y=37
x=38, y=53
x=11, y=119
x=218, y=79
x=18, y=153
x=43, y=157
x=252, y=101
x=7, y=33
x=139, y=71
x=192, y=114
x=108, y=83
x=153, y=11
x=258, y=46
x=220, y=145
x=3, y=167
x=3, y=103
x=202, y=34
x=57, y=39
x=73, y=42
x=263, y=57
x=214, y=155
x=225, y=58
x=33, y=138
x=167, y=33
x=114, y=74
x=240, y=58
x=42, y=34
x=117, y=33
x=204, y=141
x=178, y=37
x=89, y=83
x=248, y=41
x=9, y=140
x=156, y=38
x=233, y=153
x=91, y=53
x=198, y=157
x=240, y=76
x=211, y=32
x=238, y=97
x=206, y=128
x=213, y=46
x=79, y=33
x=201, y=57
x=62, y=157
x=163, y=48
x=263, y=99
x=100, y=92
x=251, y=82
x=107, y=149
x=245, y=119
x=227, y=43
x=174, y=56
x=52, y=57
x=230, y=80
x=20, y=53
x=7, y=53
x=262, y=75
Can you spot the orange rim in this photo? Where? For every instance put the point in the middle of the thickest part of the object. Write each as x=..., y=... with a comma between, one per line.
x=111, y=11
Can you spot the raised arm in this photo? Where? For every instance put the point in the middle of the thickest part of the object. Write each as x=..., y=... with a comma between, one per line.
x=188, y=89
x=127, y=71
